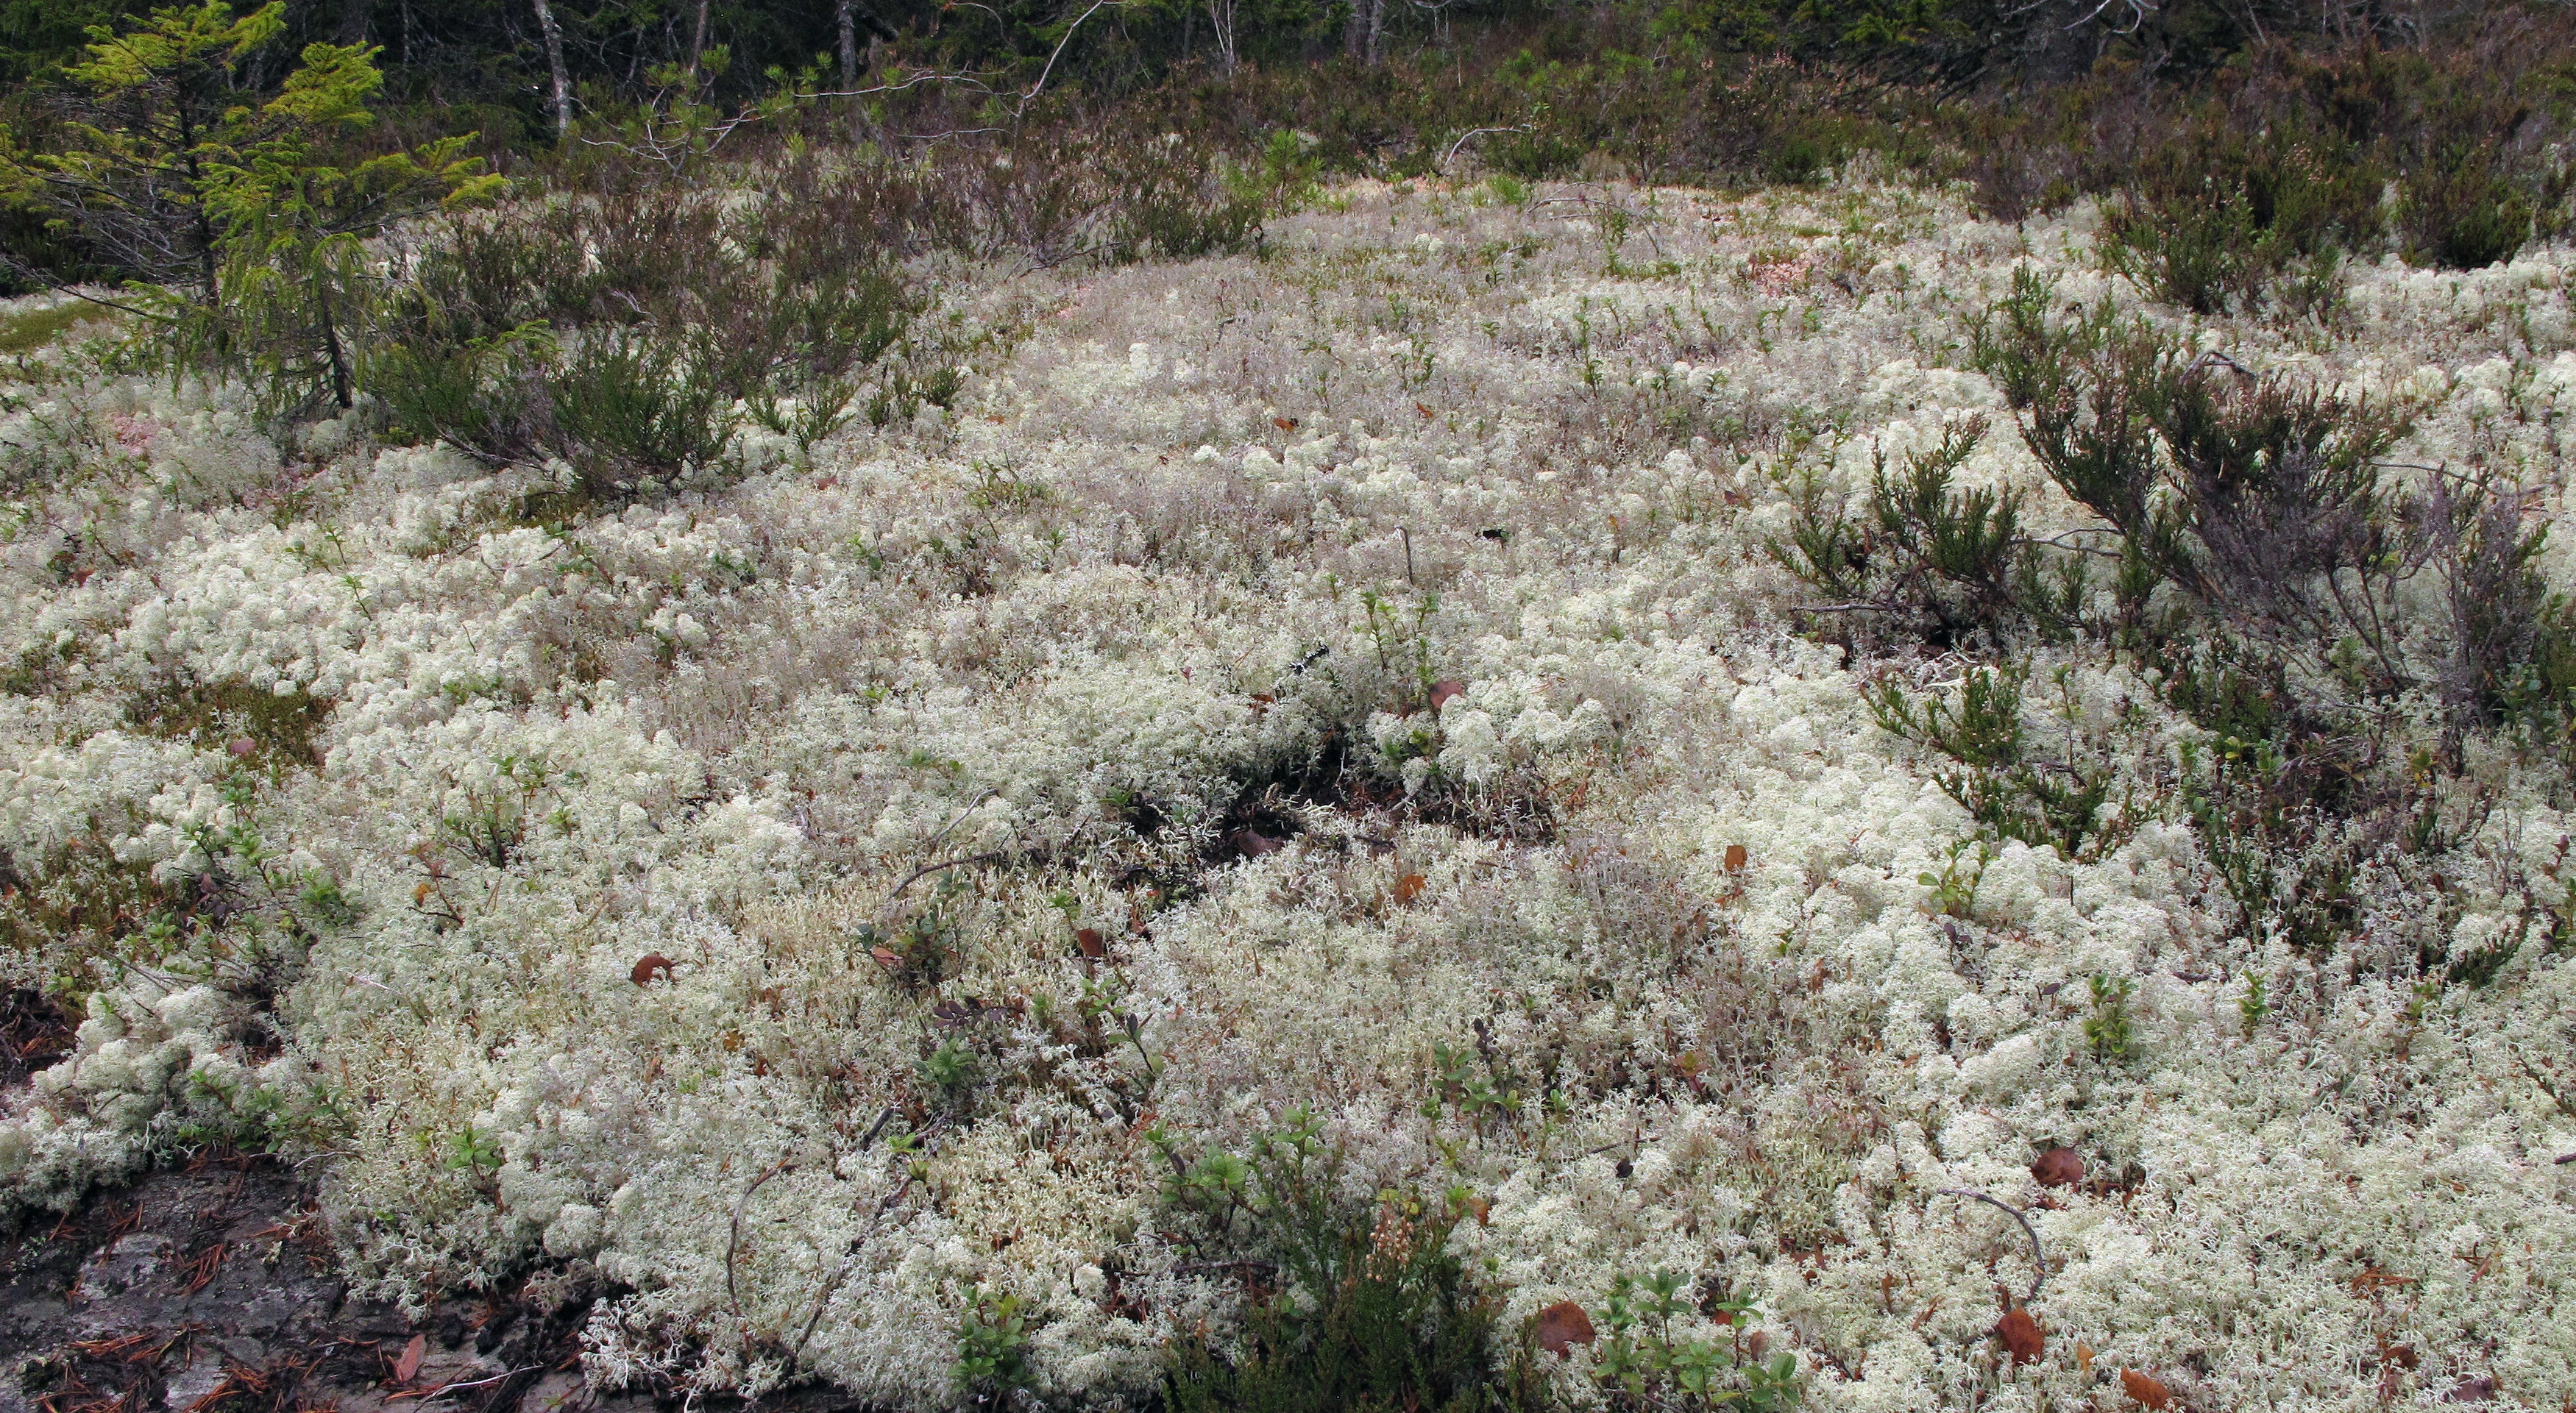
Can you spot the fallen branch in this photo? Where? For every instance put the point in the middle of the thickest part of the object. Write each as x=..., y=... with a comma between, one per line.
x=2038, y=1261
x=733, y=1235
x=849, y=1260
x=443, y=1389
x=926, y=870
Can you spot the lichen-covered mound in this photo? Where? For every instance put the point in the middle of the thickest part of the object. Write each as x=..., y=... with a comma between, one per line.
x=897, y=916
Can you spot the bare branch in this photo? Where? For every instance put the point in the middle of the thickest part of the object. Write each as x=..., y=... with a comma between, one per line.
x=1471, y=132
x=733, y=1236
x=2038, y=1261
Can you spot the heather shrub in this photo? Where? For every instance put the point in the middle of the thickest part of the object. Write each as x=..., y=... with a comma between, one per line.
x=1352, y=1305
x=628, y=410
x=2216, y=213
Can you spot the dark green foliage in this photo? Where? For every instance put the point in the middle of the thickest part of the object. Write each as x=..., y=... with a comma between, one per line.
x=630, y=409
x=470, y=394
x=2468, y=197
x=1951, y=551
x=2259, y=497
x=1953, y=564
x=1176, y=207
x=2002, y=775
x=2464, y=213
x=2215, y=214
x=1350, y=1305
x=618, y=332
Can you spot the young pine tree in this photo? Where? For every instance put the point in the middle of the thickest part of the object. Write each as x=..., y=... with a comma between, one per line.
x=238, y=222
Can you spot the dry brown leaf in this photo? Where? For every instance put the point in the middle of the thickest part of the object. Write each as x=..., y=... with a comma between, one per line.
x=2145, y=1388
x=1408, y=887
x=407, y=1367
x=885, y=957
x=1736, y=858
x=2058, y=1167
x=1422, y=408
x=1562, y=1326
x=2021, y=1336
x=1285, y=424
x=645, y=969
x=1093, y=945
x=1441, y=692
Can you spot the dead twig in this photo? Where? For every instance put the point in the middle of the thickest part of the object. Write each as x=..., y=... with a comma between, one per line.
x=733, y=1234
x=988, y=856
x=1452, y=153
x=2038, y=1261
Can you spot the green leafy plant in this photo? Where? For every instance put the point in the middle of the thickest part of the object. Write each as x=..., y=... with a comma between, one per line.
x=1954, y=885
x=2255, y=1004
x=1648, y=1366
x=2108, y=1030
x=992, y=1343
x=1467, y=1083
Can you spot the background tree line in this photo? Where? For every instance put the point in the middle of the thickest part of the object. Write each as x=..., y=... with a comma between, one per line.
x=226, y=169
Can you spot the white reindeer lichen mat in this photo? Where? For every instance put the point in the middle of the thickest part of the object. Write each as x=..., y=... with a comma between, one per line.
x=1353, y=680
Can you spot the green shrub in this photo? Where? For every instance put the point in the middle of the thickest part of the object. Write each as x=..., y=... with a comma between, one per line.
x=2211, y=217
x=1649, y=1368
x=1349, y=1306
x=630, y=409
x=2006, y=782
x=992, y=1343
x=2462, y=214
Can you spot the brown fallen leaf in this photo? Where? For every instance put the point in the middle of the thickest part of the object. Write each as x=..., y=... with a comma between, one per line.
x=645, y=969
x=1408, y=887
x=2058, y=1167
x=2021, y=1336
x=1252, y=843
x=1441, y=692
x=2480, y=1388
x=886, y=957
x=1422, y=408
x=2145, y=1388
x=1562, y=1326
x=1735, y=858
x=407, y=1367
x=242, y=746
x=1285, y=424
x=1093, y=945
